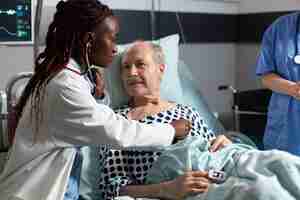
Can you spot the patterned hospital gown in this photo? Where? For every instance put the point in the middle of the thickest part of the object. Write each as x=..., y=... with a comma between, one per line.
x=129, y=167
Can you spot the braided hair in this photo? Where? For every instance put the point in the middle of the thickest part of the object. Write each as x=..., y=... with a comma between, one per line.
x=72, y=20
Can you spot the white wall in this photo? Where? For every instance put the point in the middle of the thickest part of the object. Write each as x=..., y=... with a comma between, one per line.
x=14, y=60
x=227, y=6
x=254, y=6
x=212, y=64
x=20, y=58
x=245, y=67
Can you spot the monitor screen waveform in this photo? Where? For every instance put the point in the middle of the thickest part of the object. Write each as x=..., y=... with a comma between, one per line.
x=16, y=21
x=8, y=12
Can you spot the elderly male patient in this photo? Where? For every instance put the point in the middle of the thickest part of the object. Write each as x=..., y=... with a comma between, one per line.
x=123, y=172
x=183, y=170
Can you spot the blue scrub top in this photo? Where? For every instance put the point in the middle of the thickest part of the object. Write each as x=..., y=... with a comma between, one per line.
x=277, y=56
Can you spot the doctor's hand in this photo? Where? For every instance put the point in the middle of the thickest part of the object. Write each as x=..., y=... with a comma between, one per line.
x=182, y=128
x=190, y=183
x=219, y=142
x=100, y=85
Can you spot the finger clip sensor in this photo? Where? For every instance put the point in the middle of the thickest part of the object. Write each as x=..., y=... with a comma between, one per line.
x=216, y=176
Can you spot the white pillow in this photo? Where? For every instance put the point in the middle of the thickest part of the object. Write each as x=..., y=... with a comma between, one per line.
x=170, y=83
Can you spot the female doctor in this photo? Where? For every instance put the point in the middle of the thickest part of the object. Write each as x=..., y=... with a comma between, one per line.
x=57, y=113
x=279, y=67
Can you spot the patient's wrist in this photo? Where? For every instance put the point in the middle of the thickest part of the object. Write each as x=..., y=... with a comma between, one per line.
x=164, y=190
x=123, y=191
x=143, y=191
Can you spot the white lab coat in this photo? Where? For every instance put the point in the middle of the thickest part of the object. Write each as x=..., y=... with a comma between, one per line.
x=72, y=117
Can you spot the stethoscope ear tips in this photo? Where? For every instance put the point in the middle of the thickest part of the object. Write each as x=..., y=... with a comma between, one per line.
x=297, y=59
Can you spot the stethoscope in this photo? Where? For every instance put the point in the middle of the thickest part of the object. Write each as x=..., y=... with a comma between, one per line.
x=297, y=53
x=90, y=73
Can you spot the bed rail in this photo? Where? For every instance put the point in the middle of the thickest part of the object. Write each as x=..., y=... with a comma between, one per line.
x=8, y=110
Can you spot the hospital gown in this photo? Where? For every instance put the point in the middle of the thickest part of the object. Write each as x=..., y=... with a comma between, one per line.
x=130, y=166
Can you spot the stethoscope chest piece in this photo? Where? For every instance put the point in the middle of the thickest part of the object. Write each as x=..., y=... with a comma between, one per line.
x=297, y=59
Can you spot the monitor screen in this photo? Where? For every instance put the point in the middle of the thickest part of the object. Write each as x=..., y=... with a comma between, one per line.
x=16, y=22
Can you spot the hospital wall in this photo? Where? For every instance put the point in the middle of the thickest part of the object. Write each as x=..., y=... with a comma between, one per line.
x=263, y=6
x=216, y=51
x=254, y=17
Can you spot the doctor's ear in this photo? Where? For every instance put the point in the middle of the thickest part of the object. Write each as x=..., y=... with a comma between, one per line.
x=89, y=37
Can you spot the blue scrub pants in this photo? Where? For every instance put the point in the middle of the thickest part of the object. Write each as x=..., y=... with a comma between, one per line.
x=72, y=192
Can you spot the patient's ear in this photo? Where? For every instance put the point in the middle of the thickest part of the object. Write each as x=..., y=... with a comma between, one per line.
x=162, y=67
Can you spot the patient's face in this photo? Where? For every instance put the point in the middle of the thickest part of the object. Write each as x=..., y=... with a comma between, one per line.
x=140, y=74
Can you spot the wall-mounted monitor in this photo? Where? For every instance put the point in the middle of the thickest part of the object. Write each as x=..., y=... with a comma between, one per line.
x=16, y=22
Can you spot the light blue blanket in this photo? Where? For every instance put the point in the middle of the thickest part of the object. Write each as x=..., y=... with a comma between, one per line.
x=252, y=174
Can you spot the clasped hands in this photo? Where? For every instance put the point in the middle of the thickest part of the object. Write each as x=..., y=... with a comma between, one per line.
x=295, y=90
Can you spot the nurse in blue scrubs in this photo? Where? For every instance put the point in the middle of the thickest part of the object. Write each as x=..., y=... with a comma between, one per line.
x=278, y=66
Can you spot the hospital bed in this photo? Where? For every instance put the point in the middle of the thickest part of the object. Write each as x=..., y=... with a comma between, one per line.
x=8, y=101
x=3, y=128
x=16, y=85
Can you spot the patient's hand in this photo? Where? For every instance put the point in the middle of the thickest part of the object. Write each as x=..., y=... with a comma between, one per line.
x=190, y=183
x=182, y=128
x=218, y=143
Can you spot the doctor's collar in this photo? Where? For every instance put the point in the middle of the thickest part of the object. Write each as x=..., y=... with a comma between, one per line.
x=73, y=66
